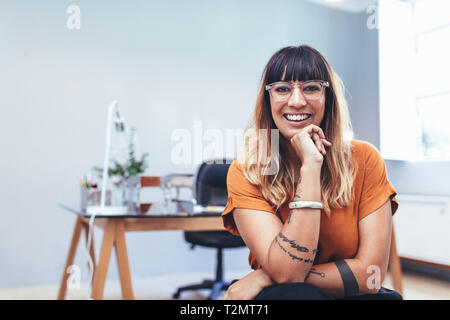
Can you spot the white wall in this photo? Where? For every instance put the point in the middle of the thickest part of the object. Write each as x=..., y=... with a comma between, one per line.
x=168, y=63
x=410, y=178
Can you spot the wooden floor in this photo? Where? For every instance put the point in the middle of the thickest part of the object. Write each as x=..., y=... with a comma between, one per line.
x=416, y=287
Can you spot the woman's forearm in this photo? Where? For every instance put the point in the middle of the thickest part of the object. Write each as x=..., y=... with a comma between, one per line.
x=342, y=278
x=293, y=250
x=330, y=279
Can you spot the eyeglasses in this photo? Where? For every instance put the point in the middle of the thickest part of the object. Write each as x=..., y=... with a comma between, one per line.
x=311, y=90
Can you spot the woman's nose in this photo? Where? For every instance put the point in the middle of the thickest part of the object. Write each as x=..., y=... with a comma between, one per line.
x=297, y=98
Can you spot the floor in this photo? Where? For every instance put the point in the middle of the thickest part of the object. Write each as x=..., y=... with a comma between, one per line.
x=416, y=287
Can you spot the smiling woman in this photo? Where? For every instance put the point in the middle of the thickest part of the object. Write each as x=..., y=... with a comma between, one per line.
x=299, y=88
x=309, y=225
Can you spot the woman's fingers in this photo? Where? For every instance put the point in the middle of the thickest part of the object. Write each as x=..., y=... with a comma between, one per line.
x=303, y=148
x=315, y=129
x=318, y=142
x=318, y=132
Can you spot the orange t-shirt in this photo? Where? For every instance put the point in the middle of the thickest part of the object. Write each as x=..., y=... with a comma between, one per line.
x=338, y=237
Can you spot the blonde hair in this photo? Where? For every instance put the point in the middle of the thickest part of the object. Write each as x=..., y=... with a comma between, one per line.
x=338, y=170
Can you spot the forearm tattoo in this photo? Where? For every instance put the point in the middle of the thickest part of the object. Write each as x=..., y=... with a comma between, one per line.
x=289, y=217
x=293, y=257
x=351, y=287
x=296, y=247
x=296, y=197
x=292, y=243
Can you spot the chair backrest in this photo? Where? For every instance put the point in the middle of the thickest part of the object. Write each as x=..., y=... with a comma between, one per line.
x=211, y=182
x=148, y=181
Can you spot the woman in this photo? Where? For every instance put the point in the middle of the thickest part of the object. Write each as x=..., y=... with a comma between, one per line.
x=319, y=225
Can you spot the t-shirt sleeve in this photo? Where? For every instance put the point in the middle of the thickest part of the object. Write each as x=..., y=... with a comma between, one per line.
x=376, y=187
x=241, y=194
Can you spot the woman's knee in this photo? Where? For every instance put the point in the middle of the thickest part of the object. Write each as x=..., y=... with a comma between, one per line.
x=293, y=291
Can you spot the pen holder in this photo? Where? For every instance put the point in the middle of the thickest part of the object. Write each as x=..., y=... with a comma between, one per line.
x=132, y=193
x=92, y=197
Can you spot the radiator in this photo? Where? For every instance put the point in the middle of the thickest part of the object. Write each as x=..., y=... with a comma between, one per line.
x=422, y=228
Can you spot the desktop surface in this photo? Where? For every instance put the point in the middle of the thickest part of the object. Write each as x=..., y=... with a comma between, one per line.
x=174, y=208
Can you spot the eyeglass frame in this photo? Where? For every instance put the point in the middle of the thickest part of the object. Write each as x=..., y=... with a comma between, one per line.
x=323, y=83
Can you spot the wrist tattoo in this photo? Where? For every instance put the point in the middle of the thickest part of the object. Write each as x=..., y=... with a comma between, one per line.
x=313, y=271
x=351, y=287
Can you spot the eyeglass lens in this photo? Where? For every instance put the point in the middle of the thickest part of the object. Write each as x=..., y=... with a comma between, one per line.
x=310, y=90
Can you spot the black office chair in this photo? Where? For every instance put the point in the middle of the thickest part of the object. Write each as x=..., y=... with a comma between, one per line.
x=211, y=189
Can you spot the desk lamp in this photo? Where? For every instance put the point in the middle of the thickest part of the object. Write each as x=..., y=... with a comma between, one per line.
x=119, y=125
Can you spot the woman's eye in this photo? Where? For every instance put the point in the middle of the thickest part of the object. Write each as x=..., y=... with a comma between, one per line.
x=283, y=89
x=311, y=88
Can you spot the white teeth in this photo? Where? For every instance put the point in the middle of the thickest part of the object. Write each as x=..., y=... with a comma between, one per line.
x=297, y=117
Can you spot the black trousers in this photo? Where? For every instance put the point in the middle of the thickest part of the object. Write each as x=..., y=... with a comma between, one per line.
x=306, y=291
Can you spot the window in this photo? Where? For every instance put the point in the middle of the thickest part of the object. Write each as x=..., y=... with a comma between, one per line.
x=414, y=79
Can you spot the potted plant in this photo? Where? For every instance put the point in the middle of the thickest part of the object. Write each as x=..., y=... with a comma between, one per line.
x=127, y=174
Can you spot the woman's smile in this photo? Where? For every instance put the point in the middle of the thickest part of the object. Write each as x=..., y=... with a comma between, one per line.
x=297, y=119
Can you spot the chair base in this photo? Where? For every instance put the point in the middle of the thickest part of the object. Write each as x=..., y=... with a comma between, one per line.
x=215, y=286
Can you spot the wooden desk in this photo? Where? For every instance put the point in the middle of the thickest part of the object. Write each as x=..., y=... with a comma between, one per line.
x=114, y=236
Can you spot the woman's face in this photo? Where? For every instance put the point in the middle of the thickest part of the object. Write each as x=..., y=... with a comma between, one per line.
x=286, y=113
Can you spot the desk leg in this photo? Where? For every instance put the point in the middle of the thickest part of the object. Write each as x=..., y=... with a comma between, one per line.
x=122, y=262
x=91, y=249
x=105, y=256
x=70, y=257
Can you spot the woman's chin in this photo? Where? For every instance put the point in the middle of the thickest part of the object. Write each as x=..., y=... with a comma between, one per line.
x=289, y=134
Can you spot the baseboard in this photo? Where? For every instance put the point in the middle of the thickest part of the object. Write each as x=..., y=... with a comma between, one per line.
x=426, y=268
